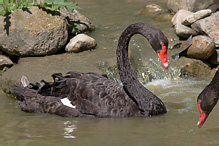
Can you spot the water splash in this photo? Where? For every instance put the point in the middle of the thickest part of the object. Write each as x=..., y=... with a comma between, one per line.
x=146, y=71
x=153, y=70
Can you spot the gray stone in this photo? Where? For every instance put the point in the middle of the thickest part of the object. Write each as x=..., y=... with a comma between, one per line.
x=209, y=26
x=196, y=16
x=77, y=19
x=32, y=32
x=80, y=42
x=214, y=59
x=5, y=61
x=180, y=15
x=151, y=9
x=184, y=32
x=194, y=68
x=202, y=48
x=214, y=7
x=190, y=5
x=163, y=17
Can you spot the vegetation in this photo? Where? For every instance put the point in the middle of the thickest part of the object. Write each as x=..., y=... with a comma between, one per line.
x=52, y=5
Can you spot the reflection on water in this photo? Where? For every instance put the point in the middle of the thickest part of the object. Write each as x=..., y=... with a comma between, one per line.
x=69, y=129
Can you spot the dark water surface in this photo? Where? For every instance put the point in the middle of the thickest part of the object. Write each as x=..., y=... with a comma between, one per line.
x=177, y=127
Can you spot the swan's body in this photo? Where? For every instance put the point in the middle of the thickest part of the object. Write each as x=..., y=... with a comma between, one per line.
x=89, y=94
x=208, y=98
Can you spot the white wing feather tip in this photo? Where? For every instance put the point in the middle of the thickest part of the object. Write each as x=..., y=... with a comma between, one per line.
x=67, y=102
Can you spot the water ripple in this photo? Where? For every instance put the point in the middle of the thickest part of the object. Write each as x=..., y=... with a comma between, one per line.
x=69, y=129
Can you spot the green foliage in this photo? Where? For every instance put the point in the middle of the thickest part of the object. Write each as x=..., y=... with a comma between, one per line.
x=52, y=5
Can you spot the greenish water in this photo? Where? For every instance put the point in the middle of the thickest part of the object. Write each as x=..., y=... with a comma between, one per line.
x=177, y=127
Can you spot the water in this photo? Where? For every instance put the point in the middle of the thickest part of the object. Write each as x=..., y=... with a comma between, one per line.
x=177, y=127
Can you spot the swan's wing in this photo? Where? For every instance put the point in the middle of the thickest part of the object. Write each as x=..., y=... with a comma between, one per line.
x=95, y=95
x=90, y=94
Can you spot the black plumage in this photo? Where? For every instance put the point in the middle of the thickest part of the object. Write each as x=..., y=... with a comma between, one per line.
x=94, y=95
x=208, y=98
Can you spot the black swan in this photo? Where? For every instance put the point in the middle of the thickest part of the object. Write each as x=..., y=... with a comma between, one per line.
x=92, y=95
x=207, y=99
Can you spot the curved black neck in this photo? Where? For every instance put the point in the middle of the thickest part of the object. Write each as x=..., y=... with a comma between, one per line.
x=215, y=80
x=126, y=74
x=143, y=97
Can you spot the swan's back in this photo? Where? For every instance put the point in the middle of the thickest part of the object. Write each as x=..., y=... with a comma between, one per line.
x=91, y=95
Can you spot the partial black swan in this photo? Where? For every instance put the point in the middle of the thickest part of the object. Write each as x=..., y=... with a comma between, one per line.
x=89, y=94
x=208, y=98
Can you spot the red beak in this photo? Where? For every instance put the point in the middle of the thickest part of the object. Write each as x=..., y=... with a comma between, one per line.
x=203, y=116
x=163, y=55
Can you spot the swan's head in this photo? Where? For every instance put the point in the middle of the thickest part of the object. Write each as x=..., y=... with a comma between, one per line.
x=162, y=53
x=203, y=116
x=207, y=99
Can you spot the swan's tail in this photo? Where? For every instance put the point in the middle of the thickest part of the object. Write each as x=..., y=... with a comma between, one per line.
x=30, y=101
x=37, y=98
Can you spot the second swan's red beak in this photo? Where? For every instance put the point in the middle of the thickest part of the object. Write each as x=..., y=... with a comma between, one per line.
x=163, y=55
x=203, y=116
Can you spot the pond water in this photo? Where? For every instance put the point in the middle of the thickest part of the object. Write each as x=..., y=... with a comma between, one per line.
x=177, y=127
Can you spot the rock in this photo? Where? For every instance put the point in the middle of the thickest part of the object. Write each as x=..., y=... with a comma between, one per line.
x=151, y=9
x=184, y=32
x=209, y=26
x=190, y=5
x=162, y=17
x=32, y=32
x=179, y=48
x=202, y=47
x=214, y=7
x=196, y=16
x=180, y=15
x=5, y=61
x=214, y=59
x=80, y=42
x=77, y=19
x=193, y=68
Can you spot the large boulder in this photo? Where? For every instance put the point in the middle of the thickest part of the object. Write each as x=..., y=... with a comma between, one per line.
x=184, y=32
x=180, y=15
x=209, y=26
x=202, y=47
x=5, y=62
x=80, y=42
x=190, y=5
x=195, y=68
x=190, y=67
x=32, y=32
x=196, y=16
x=76, y=18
